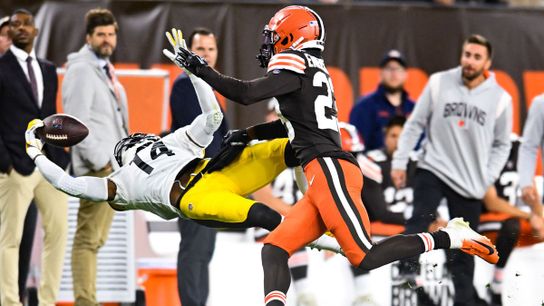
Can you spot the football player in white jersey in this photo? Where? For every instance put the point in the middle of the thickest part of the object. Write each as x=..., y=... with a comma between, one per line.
x=164, y=175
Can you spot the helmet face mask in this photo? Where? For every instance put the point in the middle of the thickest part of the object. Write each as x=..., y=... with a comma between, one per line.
x=126, y=148
x=267, y=48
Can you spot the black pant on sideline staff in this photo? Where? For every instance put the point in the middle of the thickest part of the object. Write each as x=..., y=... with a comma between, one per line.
x=196, y=251
x=429, y=191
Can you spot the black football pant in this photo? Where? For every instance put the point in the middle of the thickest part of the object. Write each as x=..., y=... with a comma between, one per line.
x=429, y=191
x=195, y=253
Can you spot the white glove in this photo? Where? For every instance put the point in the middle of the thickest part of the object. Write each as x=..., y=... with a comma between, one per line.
x=177, y=41
x=34, y=144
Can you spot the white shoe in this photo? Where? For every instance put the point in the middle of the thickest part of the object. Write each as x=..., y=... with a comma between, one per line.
x=467, y=240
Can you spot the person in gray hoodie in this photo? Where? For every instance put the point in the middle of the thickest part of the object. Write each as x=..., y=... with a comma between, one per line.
x=91, y=92
x=467, y=119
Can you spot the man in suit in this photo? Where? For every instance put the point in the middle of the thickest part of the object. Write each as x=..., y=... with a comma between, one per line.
x=91, y=92
x=28, y=89
x=197, y=241
x=25, y=248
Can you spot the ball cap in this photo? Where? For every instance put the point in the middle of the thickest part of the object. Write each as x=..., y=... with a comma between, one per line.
x=393, y=55
x=4, y=21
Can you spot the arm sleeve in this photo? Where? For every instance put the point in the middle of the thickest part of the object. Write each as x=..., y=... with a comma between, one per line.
x=183, y=103
x=533, y=134
x=249, y=92
x=77, y=100
x=376, y=205
x=200, y=131
x=84, y=187
x=268, y=131
x=500, y=148
x=415, y=125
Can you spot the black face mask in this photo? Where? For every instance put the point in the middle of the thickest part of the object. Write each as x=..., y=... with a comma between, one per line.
x=267, y=48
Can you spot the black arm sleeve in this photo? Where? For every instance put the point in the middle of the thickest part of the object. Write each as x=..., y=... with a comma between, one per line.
x=249, y=92
x=268, y=131
x=376, y=206
x=291, y=159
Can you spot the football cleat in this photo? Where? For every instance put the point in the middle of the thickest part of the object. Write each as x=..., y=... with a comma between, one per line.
x=467, y=240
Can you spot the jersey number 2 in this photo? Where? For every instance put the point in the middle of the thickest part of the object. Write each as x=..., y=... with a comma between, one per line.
x=324, y=104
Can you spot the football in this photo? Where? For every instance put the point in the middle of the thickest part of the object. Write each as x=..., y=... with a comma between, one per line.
x=62, y=130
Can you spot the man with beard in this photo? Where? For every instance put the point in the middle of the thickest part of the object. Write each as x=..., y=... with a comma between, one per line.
x=92, y=93
x=467, y=118
x=28, y=89
x=372, y=113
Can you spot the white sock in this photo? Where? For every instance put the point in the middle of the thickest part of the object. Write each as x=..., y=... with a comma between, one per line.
x=456, y=241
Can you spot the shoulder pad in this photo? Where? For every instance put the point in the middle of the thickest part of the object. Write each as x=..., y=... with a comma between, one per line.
x=292, y=61
x=377, y=156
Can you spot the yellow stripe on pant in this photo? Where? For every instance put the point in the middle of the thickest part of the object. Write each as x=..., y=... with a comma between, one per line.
x=221, y=195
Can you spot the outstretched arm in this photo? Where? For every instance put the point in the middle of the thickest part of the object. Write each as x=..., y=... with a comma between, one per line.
x=85, y=187
x=250, y=92
x=243, y=92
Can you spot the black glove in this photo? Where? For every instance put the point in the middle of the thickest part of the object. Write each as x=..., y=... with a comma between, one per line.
x=236, y=138
x=233, y=144
x=225, y=157
x=190, y=61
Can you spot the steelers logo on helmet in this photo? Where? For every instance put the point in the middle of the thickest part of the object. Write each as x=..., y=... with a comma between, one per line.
x=126, y=148
x=293, y=27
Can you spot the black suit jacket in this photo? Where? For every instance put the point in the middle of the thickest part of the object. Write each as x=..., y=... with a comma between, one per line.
x=17, y=107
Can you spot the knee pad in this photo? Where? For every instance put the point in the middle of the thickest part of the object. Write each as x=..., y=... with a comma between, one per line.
x=263, y=216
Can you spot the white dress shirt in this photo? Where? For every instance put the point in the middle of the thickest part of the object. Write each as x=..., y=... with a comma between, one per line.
x=21, y=56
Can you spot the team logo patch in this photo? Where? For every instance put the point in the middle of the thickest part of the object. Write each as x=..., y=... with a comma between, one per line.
x=57, y=124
